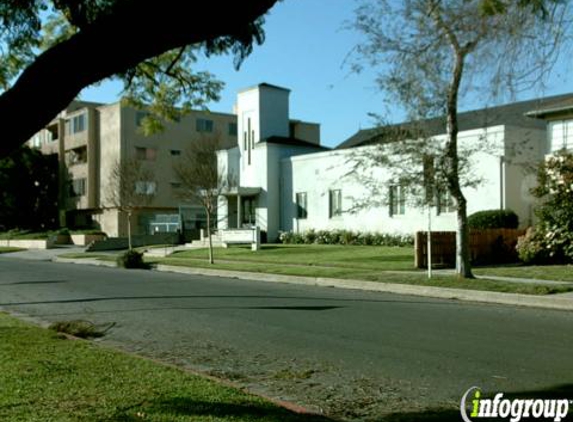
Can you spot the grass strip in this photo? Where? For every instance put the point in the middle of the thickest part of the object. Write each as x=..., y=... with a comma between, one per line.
x=44, y=377
x=540, y=272
x=8, y=249
x=381, y=276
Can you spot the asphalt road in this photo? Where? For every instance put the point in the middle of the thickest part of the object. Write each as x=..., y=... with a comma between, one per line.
x=350, y=353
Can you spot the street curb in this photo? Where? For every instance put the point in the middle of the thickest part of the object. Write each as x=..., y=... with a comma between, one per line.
x=85, y=261
x=516, y=299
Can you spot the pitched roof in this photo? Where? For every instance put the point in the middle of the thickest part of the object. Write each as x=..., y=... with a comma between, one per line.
x=556, y=107
x=282, y=140
x=514, y=114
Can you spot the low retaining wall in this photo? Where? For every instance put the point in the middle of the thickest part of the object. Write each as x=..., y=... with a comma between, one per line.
x=28, y=244
x=86, y=239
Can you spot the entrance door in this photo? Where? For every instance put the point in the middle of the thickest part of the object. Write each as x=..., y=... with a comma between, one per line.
x=248, y=215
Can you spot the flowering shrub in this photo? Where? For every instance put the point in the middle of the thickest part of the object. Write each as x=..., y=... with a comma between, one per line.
x=531, y=249
x=554, y=231
x=345, y=237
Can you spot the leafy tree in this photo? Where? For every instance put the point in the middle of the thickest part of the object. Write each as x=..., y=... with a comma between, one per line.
x=28, y=190
x=431, y=52
x=150, y=45
x=132, y=186
x=201, y=181
x=555, y=212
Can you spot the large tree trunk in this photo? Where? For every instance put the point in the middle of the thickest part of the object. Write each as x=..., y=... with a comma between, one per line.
x=137, y=31
x=463, y=264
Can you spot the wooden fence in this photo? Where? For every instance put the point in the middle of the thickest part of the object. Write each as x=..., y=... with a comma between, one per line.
x=493, y=246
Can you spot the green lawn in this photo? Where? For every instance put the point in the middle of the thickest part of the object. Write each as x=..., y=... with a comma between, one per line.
x=26, y=235
x=44, y=377
x=357, y=257
x=369, y=263
x=541, y=272
x=8, y=249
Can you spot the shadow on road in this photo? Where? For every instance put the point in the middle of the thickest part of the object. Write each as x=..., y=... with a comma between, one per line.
x=453, y=415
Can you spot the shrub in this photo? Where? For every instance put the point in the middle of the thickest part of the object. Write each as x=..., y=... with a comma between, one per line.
x=77, y=328
x=555, y=210
x=493, y=219
x=345, y=237
x=131, y=259
x=63, y=231
x=531, y=248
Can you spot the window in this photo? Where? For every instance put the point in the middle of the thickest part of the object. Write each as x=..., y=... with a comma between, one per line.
x=77, y=187
x=397, y=200
x=445, y=202
x=233, y=130
x=560, y=135
x=301, y=205
x=175, y=152
x=204, y=125
x=147, y=154
x=145, y=188
x=335, y=203
x=77, y=156
x=249, y=140
x=76, y=124
x=37, y=141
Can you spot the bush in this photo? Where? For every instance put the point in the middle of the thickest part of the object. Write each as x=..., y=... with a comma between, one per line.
x=131, y=259
x=531, y=248
x=493, y=219
x=555, y=210
x=345, y=237
x=63, y=231
x=77, y=328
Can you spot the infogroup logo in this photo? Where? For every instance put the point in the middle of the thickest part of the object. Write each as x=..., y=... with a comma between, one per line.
x=473, y=407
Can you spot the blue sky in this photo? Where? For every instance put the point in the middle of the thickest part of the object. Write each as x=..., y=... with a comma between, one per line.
x=305, y=50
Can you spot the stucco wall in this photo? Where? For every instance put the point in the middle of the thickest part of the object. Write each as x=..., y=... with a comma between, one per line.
x=316, y=174
x=525, y=149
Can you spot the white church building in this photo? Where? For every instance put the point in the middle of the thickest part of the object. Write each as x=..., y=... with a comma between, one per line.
x=284, y=180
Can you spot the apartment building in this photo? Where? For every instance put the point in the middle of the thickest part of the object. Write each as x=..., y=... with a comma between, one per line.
x=90, y=139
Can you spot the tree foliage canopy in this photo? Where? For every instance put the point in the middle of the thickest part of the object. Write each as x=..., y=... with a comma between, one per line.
x=430, y=53
x=50, y=50
x=28, y=190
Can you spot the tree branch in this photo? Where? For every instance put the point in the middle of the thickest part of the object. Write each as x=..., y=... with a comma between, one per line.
x=111, y=45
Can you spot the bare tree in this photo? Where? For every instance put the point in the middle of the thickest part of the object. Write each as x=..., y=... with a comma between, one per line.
x=431, y=52
x=201, y=181
x=132, y=186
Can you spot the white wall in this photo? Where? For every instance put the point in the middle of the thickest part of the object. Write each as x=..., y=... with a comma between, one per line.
x=274, y=111
x=318, y=173
x=525, y=149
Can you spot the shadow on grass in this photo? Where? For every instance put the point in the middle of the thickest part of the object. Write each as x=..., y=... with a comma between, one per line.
x=186, y=407
x=180, y=407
